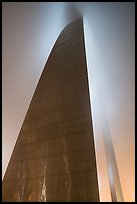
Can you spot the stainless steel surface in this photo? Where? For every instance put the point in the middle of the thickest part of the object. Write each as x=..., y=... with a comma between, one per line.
x=54, y=156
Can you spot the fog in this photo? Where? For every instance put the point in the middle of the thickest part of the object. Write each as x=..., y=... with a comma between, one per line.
x=29, y=31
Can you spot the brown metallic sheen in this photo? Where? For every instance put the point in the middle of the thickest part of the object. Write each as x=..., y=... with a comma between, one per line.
x=54, y=156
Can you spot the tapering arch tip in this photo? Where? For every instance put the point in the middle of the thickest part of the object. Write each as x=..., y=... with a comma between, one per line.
x=79, y=20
